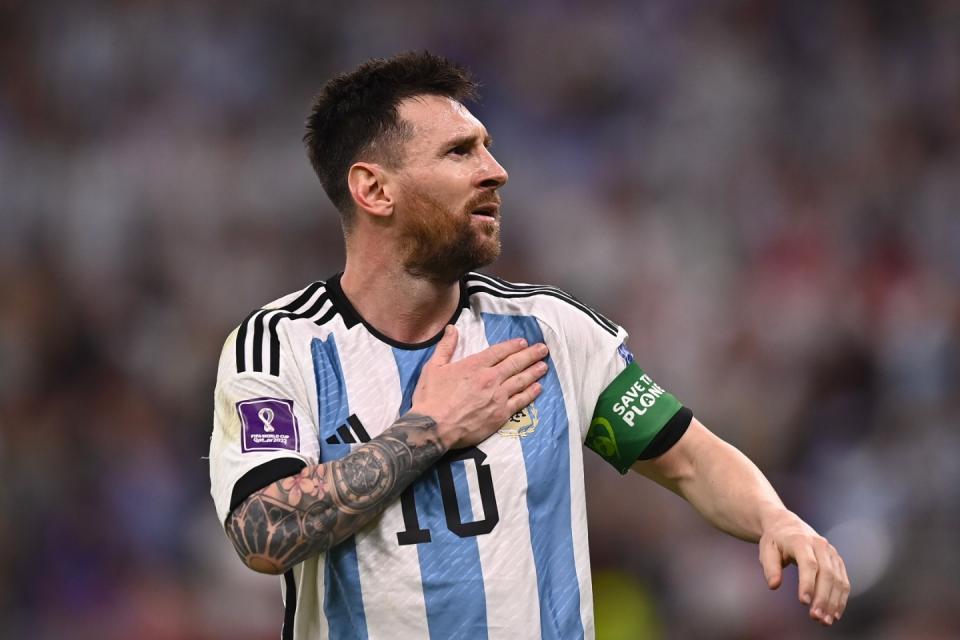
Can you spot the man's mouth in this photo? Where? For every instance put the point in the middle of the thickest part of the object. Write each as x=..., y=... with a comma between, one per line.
x=490, y=211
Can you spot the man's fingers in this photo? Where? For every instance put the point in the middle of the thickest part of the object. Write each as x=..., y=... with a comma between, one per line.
x=841, y=589
x=519, y=361
x=772, y=563
x=492, y=355
x=836, y=580
x=807, y=568
x=820, y=609
x=823, y=585
x=845, y=588
x=833, y=604
x=515, y=384
x=445, y=348
x=525, y=397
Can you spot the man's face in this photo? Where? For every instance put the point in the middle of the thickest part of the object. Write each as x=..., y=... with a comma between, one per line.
x=447, y=203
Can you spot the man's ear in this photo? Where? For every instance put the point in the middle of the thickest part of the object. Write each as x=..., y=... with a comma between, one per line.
x=370, y=188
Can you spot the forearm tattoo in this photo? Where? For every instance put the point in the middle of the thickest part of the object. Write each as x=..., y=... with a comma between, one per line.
x=297, y=517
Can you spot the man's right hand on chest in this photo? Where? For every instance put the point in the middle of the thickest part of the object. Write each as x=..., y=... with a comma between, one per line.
x=471, y=398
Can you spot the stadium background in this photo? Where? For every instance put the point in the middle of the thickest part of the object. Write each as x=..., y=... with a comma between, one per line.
x=765, y=194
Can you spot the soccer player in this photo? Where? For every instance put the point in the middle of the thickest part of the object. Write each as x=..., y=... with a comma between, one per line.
x=403, y=441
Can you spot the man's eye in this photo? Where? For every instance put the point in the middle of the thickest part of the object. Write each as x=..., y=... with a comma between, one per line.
x=460, y=150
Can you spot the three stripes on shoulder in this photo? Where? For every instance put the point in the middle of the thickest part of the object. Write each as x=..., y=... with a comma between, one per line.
x=313, y=303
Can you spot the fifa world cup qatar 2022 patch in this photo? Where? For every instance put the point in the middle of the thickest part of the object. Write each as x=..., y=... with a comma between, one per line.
x=268, y=425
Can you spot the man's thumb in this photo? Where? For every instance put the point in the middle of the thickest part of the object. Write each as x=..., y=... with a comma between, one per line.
x=446, y=346
x=772, y=564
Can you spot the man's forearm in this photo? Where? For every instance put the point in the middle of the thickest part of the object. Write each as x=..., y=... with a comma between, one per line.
x=300, y=516
x=732, y=493
x=719, y=481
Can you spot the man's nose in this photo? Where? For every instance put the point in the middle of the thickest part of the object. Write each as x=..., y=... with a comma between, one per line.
x=491, y=174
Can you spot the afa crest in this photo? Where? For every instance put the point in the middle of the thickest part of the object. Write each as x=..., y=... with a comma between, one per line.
x=521, y=424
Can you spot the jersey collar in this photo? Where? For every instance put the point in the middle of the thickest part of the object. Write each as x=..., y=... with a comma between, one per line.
x=351, y=317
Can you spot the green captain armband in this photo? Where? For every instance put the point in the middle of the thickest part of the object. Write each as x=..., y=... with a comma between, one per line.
x=630, y=413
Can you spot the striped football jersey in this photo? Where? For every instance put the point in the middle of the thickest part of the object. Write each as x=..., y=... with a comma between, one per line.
x=489, y=543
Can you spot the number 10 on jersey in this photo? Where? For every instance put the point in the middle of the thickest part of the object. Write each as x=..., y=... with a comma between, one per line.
x=413, y=534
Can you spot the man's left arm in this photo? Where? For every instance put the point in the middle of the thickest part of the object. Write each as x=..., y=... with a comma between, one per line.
x=732, y=494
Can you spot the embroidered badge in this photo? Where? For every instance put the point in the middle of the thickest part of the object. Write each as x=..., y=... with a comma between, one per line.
x=522, y=423
x=268, y=425
x=625, y=353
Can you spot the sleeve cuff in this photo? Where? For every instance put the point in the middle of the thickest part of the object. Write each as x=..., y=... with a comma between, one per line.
x=259, y=477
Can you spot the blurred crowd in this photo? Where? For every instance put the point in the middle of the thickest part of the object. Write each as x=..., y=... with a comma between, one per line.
x=766, y=194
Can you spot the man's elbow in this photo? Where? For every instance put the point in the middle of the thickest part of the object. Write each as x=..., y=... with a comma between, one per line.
x=273, y=538
x=257, y=557
x=263, y=552
x=265, y=565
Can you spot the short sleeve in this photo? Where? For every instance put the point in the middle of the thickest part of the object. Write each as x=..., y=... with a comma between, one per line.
x=262, y=431
x=633, y=417
x=595, y=352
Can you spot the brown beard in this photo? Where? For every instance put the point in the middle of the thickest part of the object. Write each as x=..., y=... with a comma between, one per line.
x=443, y=245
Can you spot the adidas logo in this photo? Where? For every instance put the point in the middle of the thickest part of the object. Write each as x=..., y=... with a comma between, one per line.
x=350, y=433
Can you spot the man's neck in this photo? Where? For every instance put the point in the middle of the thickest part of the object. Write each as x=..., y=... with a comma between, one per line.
x=402, y=307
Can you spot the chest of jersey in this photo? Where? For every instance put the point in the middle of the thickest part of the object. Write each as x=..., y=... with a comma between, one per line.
x=484, y=521
x=363, y=385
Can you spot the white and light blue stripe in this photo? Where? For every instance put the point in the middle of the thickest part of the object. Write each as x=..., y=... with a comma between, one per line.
x=452, y=579
x=546, y=455
x=343, y=597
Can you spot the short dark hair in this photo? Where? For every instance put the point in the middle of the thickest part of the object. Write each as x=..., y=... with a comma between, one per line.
x=354, y=117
